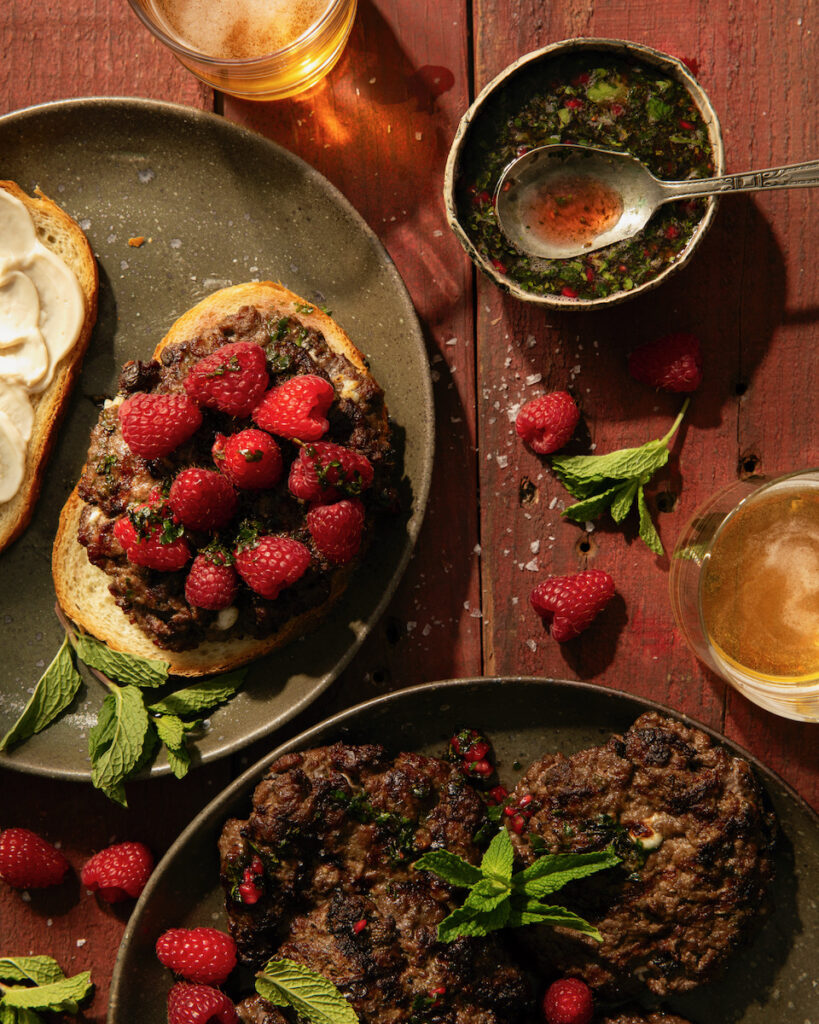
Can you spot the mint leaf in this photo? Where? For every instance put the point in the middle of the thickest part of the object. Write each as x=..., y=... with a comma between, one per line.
x=591, y=508
x=584, y=470
x=499, y=857
x=623, y=500
x=648, y=531
x=201, y=696
x=468, y=920
x=450, y=867
x=124, y=668
x=287, y=983
x=523, y=912
x=171, y=731
x=554, y=870
x=41, y=970
x=117, y=741
x=487, y=894
x=63, y=995
x=56, y=689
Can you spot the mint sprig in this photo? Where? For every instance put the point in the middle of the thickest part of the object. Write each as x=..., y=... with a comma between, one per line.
x=124, y=668
x=29, y=984
x=284, y=982
x=499, y=898
x=56, y=689
x=614, y=481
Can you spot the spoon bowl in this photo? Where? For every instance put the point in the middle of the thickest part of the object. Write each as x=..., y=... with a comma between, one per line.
x=561, y=201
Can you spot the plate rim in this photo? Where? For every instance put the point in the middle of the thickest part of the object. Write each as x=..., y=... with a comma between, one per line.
x=426, y=437
x=337, y=720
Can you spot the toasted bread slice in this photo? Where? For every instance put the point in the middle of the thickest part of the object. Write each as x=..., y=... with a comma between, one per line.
x=58, y=232
x=82, y=588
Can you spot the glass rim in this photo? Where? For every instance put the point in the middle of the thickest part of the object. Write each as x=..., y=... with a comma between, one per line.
x=251, y=63
x=765, y=682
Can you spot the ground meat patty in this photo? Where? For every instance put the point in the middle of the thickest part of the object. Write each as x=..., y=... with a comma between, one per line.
x=329, y=847
x=696, y=838
x=627, y=1015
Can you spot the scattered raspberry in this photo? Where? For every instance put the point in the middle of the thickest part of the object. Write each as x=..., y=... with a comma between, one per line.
x=568, y=1001
x=271, y=563
x=548, y=421
x=211, y=583
x=324, y=470
x=297, y=409
x=202, y=499
x=29, y=862
x=672, y=363
x=150, y=536
x=199, y=1004
x=203, y=955
x=119, y=872
x=336, y=529
x=250, y=459
x=568, y=604
x=154, y=425
x=231, y=379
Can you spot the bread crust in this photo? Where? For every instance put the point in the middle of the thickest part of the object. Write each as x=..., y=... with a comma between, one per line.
x=82, y=588
x=60, y=233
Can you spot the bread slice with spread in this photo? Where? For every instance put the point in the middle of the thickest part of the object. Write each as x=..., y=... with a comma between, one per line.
x=137, y=503
x=48, y=307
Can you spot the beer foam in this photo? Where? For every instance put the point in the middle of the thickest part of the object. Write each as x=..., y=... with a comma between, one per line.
x=238, y=29
x=795, y=555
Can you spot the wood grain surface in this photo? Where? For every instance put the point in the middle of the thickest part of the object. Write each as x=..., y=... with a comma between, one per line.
x=379, y=128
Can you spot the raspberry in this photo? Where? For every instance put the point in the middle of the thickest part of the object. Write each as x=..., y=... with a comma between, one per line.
x=272, y=563
x=154, y=425
x=323, y=470
x=231, y=379
x=199, y=1004
x=336, y=529
x=29, y=862
x=119, y=872
x=203, y=955
x=548, y=421
x=568, y=604
x=150, y=536
x=211, y=583
x=250, y=459
x=568, y=1001
x=672, y=363
x=202, y=499
x=297, y=409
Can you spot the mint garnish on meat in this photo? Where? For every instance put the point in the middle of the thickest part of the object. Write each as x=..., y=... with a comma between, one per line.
x=614, y=481
x=499, y=898
x=32, y=983
x=284, y=982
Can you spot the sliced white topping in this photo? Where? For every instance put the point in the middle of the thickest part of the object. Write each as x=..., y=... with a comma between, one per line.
x=19, y=309
x=14, y=402
x=62, y=309
x=227, y=617
x=12, y=458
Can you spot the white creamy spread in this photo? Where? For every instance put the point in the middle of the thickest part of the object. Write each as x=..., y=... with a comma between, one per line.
x=41, y=315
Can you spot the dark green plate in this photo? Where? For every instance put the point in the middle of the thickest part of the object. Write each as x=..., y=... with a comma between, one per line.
x=218, y=205
x=772, y=979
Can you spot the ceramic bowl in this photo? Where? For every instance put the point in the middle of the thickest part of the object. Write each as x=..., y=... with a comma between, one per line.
x=475, y=120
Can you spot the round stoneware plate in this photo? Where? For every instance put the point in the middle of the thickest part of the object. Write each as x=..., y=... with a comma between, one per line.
x=217, y=205
x=772, y=979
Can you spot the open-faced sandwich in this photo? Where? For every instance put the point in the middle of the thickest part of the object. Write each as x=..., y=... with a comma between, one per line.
x=229, y=486
x=48, y=306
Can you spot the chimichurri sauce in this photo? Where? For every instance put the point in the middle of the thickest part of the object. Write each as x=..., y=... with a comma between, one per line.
x=598, y=101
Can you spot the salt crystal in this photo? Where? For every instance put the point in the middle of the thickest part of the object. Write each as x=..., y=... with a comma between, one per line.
x=531, y=644
x=534, y=378
x=531, y=566
x=534, y=547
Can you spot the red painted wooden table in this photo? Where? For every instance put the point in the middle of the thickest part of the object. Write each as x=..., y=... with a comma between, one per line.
x=387, y=114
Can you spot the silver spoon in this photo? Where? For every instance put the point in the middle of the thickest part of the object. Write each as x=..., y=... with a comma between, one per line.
x=561, y=201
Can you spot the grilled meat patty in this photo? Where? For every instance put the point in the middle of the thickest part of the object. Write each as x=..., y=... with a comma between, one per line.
x=328, y=847
x=628, y=1015
x=696, y=837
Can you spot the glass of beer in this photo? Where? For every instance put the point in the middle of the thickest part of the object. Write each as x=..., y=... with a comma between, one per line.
x=745, y=590
x=255, y=49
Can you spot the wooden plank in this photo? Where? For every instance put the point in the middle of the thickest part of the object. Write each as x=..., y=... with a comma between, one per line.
x=379, y=127
x=96, y=48
x=746, y=294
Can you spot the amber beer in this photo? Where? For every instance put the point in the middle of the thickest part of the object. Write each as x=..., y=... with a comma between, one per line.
x=760, y=586
x=261, y=49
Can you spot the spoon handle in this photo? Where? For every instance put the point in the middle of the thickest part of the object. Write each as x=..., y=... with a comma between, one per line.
x=793, y=176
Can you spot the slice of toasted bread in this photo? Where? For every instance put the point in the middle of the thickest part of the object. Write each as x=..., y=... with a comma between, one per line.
x=82, y=588
x=58, y=232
